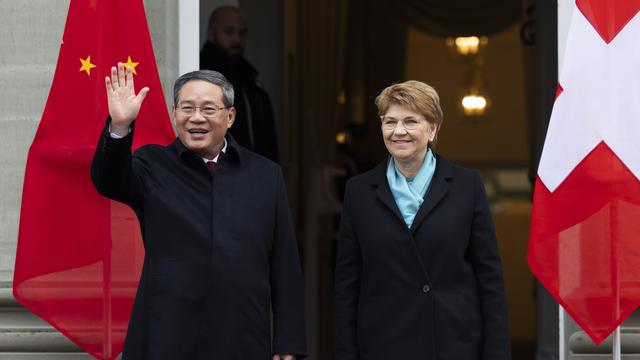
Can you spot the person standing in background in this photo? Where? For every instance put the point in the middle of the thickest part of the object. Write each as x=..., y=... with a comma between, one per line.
x=255, y=126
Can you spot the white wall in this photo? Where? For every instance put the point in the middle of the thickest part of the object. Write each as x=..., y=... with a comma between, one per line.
x=29, y=44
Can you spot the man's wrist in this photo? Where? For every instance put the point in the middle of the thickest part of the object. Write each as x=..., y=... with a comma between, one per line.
x=118, y=132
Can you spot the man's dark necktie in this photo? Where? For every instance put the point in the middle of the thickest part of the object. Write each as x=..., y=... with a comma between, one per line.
x=211, y=165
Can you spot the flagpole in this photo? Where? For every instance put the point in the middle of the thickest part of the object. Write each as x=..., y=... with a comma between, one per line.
x=565, y=11
x=106, y=287
x=616, y=349
x=561, y=314
x=617, y=353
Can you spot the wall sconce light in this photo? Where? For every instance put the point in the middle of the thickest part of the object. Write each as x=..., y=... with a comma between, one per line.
x=474, y=104
x=467, y=45
x=342, y=137
x=475, y=101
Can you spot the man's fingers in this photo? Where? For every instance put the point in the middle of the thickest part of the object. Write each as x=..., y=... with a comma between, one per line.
x=121, y=74
x=107, y=82
x=114, y=78
x=142, y=94
x=129, y=77
x=276, y=357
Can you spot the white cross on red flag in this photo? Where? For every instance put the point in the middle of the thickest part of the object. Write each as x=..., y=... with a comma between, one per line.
x=584, y=245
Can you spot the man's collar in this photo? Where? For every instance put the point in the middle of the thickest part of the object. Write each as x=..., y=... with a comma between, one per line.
x=231, y=149
x=224, y=150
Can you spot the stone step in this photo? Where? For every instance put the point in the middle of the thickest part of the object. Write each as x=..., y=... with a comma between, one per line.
x=595, y=357
x=580, y=343
x=23, y=335
x=44, y=356
x=22, y=331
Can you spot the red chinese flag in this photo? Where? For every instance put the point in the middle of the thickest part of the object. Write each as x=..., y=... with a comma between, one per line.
x=584, y=245
x=79, y=255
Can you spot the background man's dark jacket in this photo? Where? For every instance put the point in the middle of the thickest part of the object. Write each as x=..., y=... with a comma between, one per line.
x=434, y=291
x=220, y=251
x=250, y=99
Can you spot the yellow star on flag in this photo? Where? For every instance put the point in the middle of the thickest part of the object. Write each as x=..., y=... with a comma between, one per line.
x=86, y=65
x=132, y=65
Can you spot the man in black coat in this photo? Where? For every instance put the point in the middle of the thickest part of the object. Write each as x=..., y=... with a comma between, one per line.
x=254, y=126
x=219, y=241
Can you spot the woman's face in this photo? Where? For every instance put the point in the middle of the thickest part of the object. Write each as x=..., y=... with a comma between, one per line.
x=406, y=145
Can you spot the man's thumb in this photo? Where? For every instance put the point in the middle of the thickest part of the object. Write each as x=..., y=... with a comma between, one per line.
x=142, y=94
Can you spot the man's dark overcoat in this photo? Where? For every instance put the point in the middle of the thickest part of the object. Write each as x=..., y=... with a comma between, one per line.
x=220, y=252
x=434, y=291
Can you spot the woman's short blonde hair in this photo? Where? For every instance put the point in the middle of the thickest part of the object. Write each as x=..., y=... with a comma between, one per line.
x=416, y=96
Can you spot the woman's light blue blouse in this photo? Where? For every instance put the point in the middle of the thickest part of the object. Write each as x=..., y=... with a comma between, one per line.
x=409, y=193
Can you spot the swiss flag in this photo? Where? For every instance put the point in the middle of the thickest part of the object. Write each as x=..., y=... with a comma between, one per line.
x=79, y=254
x=584, y=244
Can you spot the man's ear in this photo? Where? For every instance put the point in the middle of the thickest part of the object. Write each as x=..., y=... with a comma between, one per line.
x=173, y=115
x=232, y=117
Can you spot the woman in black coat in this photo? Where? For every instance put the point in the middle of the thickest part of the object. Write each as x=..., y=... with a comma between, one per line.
x=418, y=273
